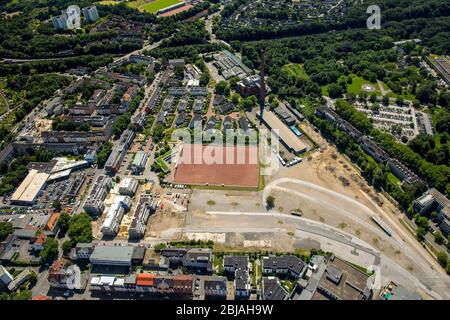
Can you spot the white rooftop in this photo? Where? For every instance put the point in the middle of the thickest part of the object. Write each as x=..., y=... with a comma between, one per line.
x=30, y=186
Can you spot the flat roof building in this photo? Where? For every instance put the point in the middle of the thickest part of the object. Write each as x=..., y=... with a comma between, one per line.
x=285, y=134
x=111, y=224
x=128, y=187
x=139, y=162
x=94, y=203
x=342, y=281
x=138, y=223
x=112, y=255
x=29, y=189
x=433, y=200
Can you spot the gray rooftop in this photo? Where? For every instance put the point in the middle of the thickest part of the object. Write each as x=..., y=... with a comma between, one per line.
x=112, y=253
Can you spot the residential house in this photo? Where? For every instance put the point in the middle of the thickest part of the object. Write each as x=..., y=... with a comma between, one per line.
x=272, y=289
x=283, y=265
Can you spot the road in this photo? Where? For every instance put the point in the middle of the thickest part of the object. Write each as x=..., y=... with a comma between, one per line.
x=209, y=24
x=401, y=238
x=147, y=47
x=331, y=239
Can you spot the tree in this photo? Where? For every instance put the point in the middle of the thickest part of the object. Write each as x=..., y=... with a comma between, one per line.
x=424, y=94
x=80, y=228
x=158, y=133
x=385, y=100
x=442, y=259
x=422, y=222
x=63, y=221
x=6, y=228
x=249, y=102
x=50, y=250
x=235, y=98
x=160, y=246
x=438, y=237
x=335, y=91
x=270, y=202
x=421, y=232
x=22, y=295
x=204, y=79
x=32, y=278
x=221, y=87
x=179, y=71
x=376, y=107
x=67, y=246
x=56, y=205
x=399, y=101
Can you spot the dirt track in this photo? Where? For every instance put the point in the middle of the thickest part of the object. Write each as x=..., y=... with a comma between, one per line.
x=223, y=171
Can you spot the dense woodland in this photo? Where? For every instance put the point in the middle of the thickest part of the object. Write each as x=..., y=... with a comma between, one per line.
x=330, y=55
x=329, y=60
x=392, y=11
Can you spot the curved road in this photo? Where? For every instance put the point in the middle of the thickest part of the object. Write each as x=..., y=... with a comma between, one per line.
x=402, y=239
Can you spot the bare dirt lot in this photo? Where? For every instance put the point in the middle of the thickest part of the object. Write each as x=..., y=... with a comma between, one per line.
x=227, y=170
x=331, y=192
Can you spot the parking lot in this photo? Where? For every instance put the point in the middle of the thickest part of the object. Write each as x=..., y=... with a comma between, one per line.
x=389, y=118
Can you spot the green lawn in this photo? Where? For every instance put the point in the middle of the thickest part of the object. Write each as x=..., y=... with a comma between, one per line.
x=288, y=285
x=161, y=161
x=393, y=179
x=296, y=70
x=407, y=96
x=356, y=86
x=142, y=5
x=158, y=5
x=108, y=2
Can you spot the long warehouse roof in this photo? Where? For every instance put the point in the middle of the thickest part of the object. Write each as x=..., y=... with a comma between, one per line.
x=30, y=186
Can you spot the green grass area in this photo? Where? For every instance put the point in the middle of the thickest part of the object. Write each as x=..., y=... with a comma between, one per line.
x=358, y=82
x=407, y=96
x=137, y=4
x=393, y=179
x=218, y=264
x=160, y=161
x=295, y=70
x=158, y=5
x=142, y=5
x=356, y=86
x=360, y=268
x=254, y=273
x=108, y=2
x=288, y=285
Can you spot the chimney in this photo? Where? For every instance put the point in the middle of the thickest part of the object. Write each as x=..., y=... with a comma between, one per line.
x=262, y=75
x=262, y=98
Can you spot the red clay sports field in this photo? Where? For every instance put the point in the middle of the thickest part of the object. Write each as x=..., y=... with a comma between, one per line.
x=228, y=172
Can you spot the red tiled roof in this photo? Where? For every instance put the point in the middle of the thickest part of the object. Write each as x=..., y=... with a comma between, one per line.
x=52, y=221
x=145, y=279
x=126, y=97
x=41, y=238
x=56, y=266
x=40, y=298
